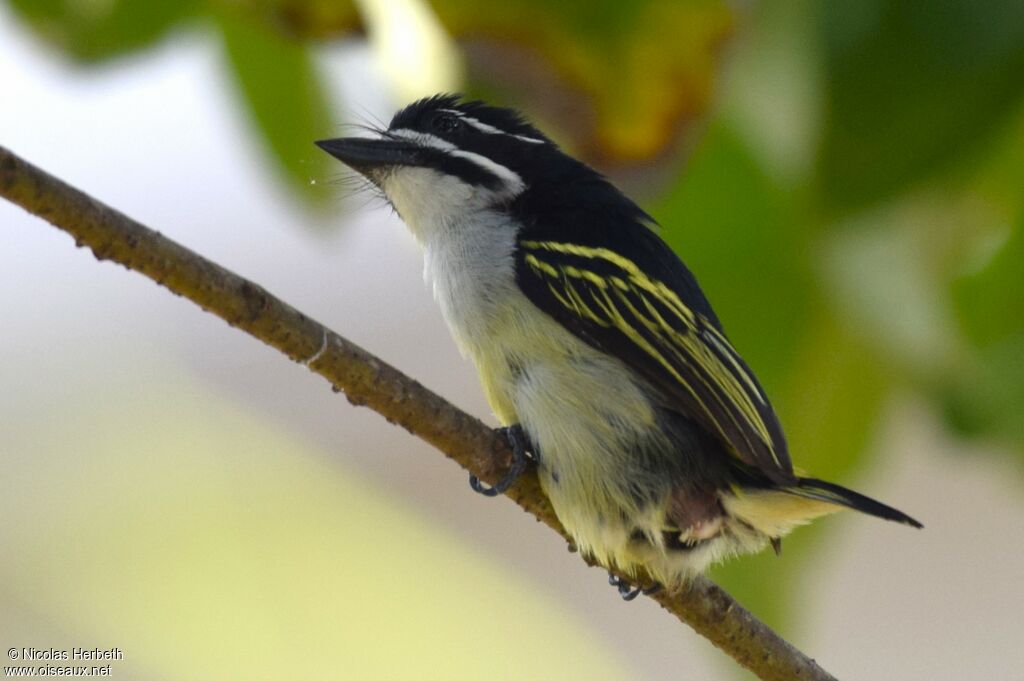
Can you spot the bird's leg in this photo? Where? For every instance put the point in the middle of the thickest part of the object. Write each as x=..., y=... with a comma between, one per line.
x=522, y=453
x=628, y=591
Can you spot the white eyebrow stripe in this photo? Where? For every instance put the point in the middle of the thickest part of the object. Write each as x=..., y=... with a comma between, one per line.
x=512, y=181
x=489, y=129
x=423, y=138
x=479, y=125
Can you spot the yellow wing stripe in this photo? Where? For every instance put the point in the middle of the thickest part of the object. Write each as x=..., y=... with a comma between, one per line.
x=636, y=274
x=608, y=306
x=572, y=300
x=541, y=266
x=708, y=362
x=638, y=283
x=711, y=365
x=725, y=348
x=654, y=328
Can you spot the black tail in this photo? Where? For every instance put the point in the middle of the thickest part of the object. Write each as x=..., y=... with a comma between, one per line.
x=826, y=491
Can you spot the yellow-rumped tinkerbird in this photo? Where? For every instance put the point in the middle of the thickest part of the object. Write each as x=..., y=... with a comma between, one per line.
x=595, y=345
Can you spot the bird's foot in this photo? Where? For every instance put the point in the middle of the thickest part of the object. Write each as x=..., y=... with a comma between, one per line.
x=630, y=592
x=521, y=457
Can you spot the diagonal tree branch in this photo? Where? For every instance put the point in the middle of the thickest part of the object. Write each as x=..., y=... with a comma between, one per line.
x=366, y=380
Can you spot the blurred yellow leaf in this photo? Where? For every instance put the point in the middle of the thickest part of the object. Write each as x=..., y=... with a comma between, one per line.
x=647, y=69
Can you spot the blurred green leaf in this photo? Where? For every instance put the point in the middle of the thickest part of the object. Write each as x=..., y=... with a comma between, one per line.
x=96, y=31
x=283, y=97
x=987, y=397
x=885, y=269
x=773, y=87
x=832, y=399
x=987, y=402
x=990, y=302
x=306, y=19
x=912, y=86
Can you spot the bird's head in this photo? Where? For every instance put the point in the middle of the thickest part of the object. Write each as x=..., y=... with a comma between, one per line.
x=441, y=158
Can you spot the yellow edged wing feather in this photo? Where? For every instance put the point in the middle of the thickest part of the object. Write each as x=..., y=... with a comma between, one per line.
x=610, y=302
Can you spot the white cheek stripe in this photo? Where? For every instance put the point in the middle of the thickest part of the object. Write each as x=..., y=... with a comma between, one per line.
x=489, y=129
x=513, y=183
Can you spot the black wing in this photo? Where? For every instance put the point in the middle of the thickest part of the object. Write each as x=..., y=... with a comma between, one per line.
x=657, y=321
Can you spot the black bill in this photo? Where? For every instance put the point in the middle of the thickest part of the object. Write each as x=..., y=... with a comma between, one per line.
x=363, y=154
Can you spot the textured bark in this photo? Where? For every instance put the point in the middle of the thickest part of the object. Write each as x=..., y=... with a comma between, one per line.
x=365, y=380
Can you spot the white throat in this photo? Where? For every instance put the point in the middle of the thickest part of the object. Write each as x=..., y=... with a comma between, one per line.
x=428, y=200
x=468, y=246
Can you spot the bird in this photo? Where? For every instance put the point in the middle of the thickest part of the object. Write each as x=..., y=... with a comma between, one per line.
x=596, y=348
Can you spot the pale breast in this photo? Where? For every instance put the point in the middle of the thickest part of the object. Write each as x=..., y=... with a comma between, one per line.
x=585, y=411
x=525, y=358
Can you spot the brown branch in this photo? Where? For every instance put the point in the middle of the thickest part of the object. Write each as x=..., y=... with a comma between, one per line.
x=365, y=380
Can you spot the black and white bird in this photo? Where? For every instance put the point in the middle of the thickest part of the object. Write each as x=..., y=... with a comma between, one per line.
x=594, y=343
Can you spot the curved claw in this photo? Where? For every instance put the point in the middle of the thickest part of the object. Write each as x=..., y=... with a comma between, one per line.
x=501, y=487
x=520, y=459
x=629, y=593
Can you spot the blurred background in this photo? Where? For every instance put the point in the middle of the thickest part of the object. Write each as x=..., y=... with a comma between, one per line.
x=844, y=178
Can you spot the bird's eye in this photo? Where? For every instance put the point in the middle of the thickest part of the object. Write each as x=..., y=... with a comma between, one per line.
x=446, y=123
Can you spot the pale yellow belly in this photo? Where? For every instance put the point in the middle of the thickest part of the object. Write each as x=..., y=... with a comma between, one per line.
x=588, y=415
